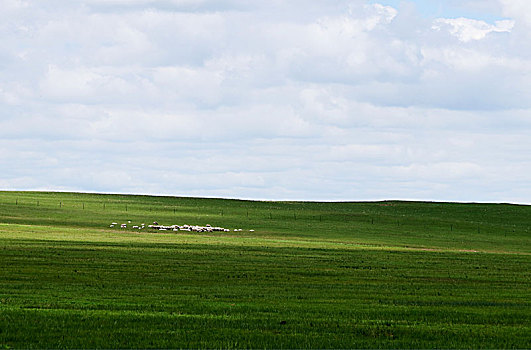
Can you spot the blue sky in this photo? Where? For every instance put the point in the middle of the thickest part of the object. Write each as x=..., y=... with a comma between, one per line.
x=447, y=9
x=295, y=100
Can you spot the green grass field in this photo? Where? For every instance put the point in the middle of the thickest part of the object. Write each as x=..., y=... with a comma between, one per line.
x=311, y=275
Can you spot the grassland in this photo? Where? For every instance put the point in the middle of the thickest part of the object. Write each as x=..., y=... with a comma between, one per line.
x=312, y=275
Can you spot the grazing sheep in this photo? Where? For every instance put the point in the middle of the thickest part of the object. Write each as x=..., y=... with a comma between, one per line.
x=185, y=227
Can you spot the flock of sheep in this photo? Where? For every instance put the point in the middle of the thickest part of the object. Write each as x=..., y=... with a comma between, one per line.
x=194, y=228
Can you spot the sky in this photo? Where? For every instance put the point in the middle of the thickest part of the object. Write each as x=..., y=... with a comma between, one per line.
x=268, y=99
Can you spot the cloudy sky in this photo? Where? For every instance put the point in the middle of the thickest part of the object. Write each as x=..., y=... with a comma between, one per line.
x=268, y=99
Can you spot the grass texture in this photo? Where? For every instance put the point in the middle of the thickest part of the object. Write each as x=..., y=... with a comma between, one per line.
x=311, y=275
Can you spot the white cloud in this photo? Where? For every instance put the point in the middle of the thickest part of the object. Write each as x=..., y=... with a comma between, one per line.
x=518, y=9
x=466, y=29
x=80, y=83
x=276, y=100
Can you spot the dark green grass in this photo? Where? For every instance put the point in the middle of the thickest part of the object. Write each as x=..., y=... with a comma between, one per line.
x=313, y=275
